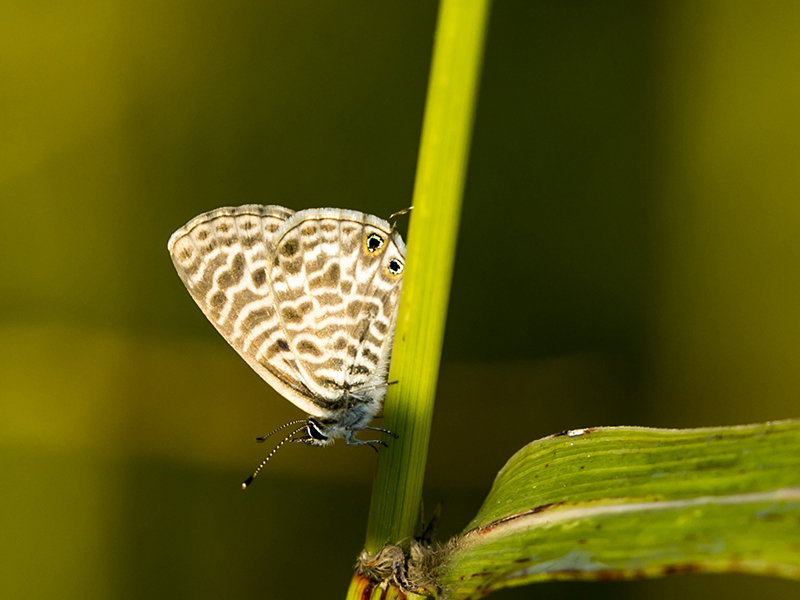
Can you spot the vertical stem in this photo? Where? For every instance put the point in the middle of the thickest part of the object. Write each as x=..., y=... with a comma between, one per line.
x=444, y=149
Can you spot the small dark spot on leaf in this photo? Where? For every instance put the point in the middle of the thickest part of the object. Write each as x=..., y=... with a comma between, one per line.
x=772, y=517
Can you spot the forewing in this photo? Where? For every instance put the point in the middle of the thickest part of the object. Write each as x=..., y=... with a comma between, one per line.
x=222, y=257
x=322, y=276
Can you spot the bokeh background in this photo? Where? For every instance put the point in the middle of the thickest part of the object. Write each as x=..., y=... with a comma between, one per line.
x=628, y=256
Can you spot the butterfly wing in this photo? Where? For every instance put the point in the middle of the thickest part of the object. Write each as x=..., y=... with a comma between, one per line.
x=335, y=305
x=372, y=308
x=223, y=259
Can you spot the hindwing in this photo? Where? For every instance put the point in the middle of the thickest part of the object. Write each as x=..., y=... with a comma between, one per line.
x=337, y=300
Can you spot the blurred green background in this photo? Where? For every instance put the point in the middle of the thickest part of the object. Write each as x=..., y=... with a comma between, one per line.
x=628, y=255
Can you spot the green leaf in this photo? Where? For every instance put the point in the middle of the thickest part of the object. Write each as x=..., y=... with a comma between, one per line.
x=627, y=502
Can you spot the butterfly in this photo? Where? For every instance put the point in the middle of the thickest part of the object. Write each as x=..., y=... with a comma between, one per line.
x=308, y=299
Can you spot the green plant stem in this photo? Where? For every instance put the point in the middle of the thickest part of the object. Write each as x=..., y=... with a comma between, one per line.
x=397, y=494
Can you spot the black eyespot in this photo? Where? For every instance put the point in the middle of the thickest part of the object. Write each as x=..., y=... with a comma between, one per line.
x=395, y=267
x=374, y=242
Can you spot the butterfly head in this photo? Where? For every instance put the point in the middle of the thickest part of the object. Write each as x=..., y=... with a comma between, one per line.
x=317, y=433
x=342, y=423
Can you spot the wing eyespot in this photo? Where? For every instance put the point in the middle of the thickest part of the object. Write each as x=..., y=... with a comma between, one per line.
x=373, y=243
x=395, y=267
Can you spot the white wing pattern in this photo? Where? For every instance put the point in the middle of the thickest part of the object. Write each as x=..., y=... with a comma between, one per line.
x=308, y=299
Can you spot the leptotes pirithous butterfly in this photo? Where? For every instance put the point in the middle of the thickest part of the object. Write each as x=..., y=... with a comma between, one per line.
x=308, y=299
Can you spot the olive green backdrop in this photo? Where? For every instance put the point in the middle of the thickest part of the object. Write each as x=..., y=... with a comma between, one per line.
x=628, y=255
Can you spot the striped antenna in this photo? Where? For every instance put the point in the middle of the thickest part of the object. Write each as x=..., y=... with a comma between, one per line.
x=284, y=426
x=249, y=480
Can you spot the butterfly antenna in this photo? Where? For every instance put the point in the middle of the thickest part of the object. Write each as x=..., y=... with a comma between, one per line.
x=249, y=480
x=399, y=213
x=284, y=426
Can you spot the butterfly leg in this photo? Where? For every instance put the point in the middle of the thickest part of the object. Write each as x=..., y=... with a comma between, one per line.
x=352, y=441
x=391, y=433
x=373, y=444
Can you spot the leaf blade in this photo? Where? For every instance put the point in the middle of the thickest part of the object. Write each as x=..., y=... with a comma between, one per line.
x=615, y=503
